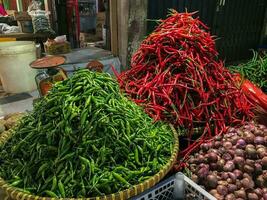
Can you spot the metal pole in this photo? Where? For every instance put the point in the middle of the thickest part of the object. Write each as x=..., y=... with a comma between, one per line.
x=19, y=5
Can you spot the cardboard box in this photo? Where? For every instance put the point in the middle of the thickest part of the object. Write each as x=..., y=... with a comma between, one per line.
x=101, y=17
x=86, y=38
x=25, y=26
x=22, y=16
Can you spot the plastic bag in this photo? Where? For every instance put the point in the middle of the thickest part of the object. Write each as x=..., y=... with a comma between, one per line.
x=59, y=45
x=40, y=21
x=34, y=5
x=253, y=92
x=40, y=18
x=5, y=29
x=61, y=39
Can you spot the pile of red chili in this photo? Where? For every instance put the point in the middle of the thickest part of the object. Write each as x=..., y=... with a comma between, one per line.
x=177, y=77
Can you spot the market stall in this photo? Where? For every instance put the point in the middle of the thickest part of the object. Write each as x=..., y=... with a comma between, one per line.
x=178, y=124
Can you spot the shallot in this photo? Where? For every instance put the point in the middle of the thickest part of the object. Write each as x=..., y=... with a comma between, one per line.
x=235, y=164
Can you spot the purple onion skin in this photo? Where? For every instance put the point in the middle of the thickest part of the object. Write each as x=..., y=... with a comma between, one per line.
x=249, y=137
x=229, y=166
x=261, y=152
x=238, y=184
x=230, y=197
x=200, y=159
x=252, y=196
x=231, y=152
x=234, y=139
x=221, y=150
x=264, y=162
x=262, y=127
x=194, y=178
x=217, y=144
x=241, y=143
x=249, y=127
x=248, y=169
x=239, y=160
x=225, y=175
x=238, y=173
x=222, y=190
x=258, y=168
x=192, y=160
x=264, y=175
x=250, y=162
x=231, y=130
x=212, y=181
x=260, y=146
x=246, y=175
x=239, y=152
x=229, y=180
x=232, y=188
x=205, y=146
x=203, y=172
x=259, y=140
x=240, y=194
x=232, y=176
x=214, y=151
x=260, y=181
x=227, y=145
x=220, y=164
x=247, y=183
x=251, y=152
x=226, y=156
x=213, y=166
x=218, y=196
x=203, y=165
x=224, y=183
x=258, y=191
x=213, y=192
x=259, y=133
x=212, y=157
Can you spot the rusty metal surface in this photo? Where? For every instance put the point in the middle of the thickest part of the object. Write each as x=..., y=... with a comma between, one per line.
x=48, y=62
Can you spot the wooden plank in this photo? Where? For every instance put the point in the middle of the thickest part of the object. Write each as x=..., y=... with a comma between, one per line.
x=47, y=5
x=123, y=16
x=137, y=25
x=7, y=39
x=23, y=35
x=114, y=26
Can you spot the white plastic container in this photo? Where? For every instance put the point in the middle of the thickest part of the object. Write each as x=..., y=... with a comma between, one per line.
x=15, y=73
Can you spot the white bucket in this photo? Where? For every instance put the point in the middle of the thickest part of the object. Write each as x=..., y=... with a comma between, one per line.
x=15, y=73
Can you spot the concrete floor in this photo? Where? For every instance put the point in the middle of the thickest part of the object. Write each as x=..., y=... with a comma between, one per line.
x=18, y=106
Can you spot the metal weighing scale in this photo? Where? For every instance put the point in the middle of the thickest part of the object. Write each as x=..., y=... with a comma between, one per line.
x=51, y=72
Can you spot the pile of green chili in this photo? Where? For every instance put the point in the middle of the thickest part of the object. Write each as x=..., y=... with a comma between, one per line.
x=254, y=70
x=84, y=139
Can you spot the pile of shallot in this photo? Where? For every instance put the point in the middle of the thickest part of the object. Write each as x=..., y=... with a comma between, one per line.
x=233, y=166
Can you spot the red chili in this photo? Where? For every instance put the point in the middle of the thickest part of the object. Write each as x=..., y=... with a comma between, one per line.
x=176, y=76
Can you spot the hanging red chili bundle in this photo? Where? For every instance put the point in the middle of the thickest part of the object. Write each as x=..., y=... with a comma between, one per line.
x=177, y=77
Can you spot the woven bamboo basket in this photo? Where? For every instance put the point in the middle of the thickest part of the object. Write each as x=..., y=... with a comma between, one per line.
x=15, y=194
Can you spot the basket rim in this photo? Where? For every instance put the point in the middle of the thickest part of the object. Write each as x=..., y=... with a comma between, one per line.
x=15, y=193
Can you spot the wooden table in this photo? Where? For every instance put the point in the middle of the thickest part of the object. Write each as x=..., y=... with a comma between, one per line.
x=22, y=36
